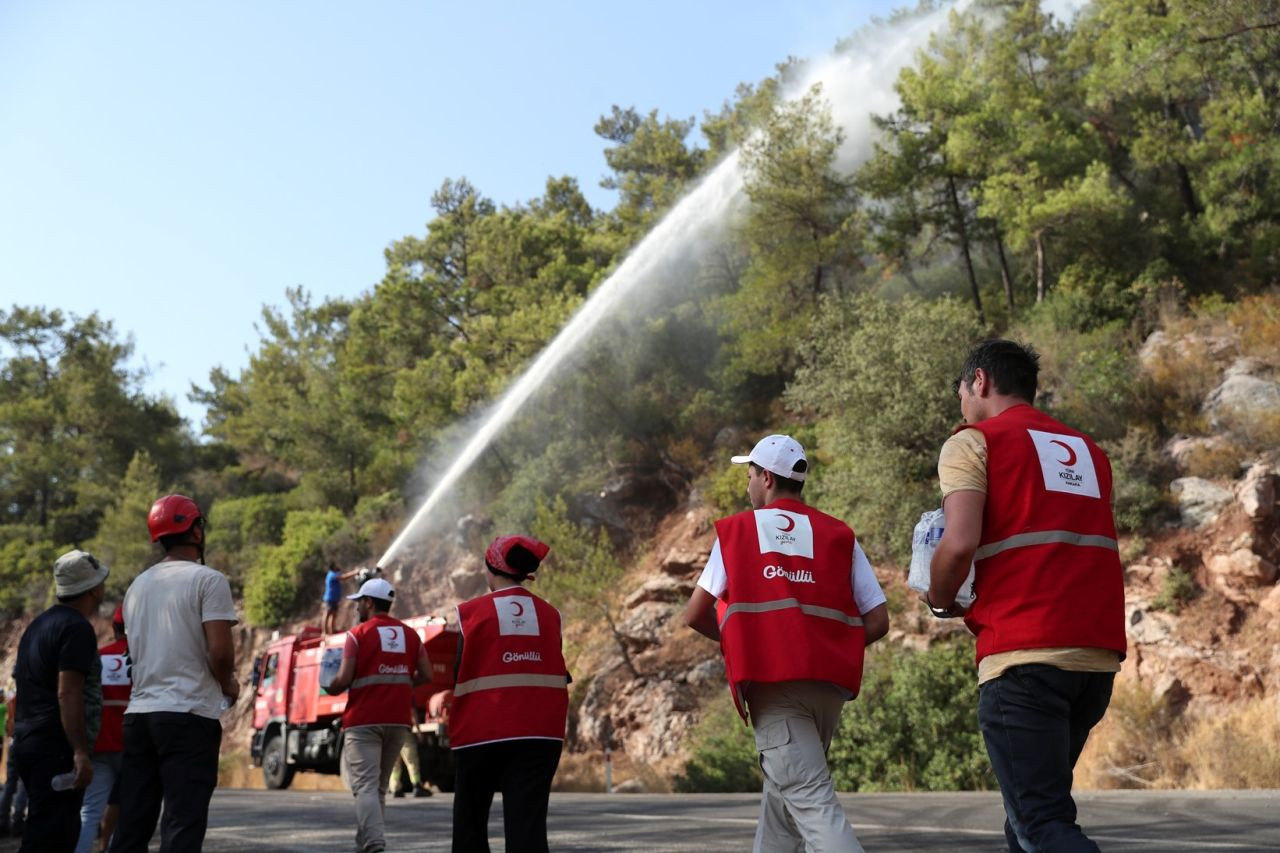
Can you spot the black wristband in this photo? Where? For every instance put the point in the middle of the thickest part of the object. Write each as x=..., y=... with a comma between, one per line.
x=939, y=612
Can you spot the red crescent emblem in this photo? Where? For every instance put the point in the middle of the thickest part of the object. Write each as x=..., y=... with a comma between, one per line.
x=791, y=523
x=1071, y=454
x=117, y=664
x=519, y=608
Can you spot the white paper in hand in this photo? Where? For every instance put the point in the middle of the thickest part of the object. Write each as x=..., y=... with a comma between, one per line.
x=924, y=541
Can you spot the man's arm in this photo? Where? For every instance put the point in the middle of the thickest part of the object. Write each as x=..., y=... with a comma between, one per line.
x=221, y=656
x=423, y=673
x=71, y=711
x=954, y=554
x=700, y=614
x=346, y=670
x=875, y=623
x=346, y=576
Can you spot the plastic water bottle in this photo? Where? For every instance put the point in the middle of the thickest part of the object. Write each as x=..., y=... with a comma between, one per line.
x=330, y=663
x=63, y=781
x=924, y=541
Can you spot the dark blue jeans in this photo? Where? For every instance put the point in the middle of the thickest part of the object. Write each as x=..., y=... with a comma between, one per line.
x=1035, y=719
x=171, y=758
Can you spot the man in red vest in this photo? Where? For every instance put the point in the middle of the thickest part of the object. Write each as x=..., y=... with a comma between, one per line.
x=100, y=798
x=1028, y=502
x=510, y=703
x=381, y=661
x=798, y=604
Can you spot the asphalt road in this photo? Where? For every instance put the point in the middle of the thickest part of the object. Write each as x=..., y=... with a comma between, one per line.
x=1167, y=821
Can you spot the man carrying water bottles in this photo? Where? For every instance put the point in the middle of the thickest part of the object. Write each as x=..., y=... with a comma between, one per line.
x=798, y=603
x=1028, y=501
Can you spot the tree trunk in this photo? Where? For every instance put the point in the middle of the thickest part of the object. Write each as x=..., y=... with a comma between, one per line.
x=1005, y=278
x=1041, y=284
x=963, y=234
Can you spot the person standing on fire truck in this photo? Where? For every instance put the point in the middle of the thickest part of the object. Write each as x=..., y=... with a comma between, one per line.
x=510, y=703
x=100, y=798
x=799, y=604
x=381, y=661
x=179, y=614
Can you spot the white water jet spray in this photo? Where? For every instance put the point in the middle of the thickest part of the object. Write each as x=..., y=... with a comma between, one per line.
x=856, y=83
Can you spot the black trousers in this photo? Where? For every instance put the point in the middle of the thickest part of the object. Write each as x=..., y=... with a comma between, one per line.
x=53, y=817
x=1035, y=719
x=169, y=758
x=522, y=770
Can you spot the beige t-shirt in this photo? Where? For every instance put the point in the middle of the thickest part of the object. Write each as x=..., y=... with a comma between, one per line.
x=164, y=614
x=962, y=466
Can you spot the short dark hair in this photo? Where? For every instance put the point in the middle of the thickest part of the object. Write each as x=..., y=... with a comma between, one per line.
x=1012, y=367
x=786, y=484
x=381, y=605
x=67, y=599
x=182, y=537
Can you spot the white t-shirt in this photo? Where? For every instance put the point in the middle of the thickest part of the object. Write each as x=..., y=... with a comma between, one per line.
x=866, y=589
x=164, y=614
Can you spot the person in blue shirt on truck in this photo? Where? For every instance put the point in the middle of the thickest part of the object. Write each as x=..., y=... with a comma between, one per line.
x=333, y=595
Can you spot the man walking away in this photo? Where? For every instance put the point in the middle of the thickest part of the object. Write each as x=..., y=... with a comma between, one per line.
x=381, y=661
x=510, y=703
x=1028, y=501
x=798, y=605
x=179, y=614
x=60, y=695
x=108, y=751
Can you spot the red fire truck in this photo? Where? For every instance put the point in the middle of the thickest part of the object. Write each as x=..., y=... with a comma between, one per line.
x=297, y=726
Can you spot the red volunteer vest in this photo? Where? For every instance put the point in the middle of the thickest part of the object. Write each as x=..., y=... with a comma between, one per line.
x=1048, y=568
x=386, y=657
x=788, y=612
x=116, y=687
x=512, y=682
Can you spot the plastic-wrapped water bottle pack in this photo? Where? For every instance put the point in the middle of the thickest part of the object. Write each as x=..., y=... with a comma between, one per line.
x=924, y=541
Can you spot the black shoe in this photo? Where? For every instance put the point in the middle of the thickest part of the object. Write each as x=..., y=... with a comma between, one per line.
x=19, y=824
x=422, y=791
x=4, y=829
x=398, y=793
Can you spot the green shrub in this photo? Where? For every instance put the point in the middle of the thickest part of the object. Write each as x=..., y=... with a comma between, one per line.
x=311, y=538
x=878, y=375
x=26, y=569
x=1140, y=473
x=1177, y=588
x=723, y=757
x=239, y=528
x=914, y=727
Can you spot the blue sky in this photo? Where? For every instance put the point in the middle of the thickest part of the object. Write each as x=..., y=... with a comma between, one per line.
x=176, y=166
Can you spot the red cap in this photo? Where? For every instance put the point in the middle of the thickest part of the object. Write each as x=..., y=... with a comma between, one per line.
x=500, y=548
x=172, y=514
x=117, y=618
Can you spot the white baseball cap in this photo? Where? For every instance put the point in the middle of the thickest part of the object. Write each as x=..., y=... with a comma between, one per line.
x=779, y=455
x=375, y=588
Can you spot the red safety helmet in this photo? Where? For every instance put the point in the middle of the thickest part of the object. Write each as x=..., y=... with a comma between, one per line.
x=172, y=514
x=500, y=549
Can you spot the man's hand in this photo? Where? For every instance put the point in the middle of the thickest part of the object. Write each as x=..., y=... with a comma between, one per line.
x=231, y=690
x=221, y=656
x=83, y=769
x=954, y=554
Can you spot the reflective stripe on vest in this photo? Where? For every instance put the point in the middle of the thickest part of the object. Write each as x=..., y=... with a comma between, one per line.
x=115, y=703
x=1045, y=537
x=493, y=682
x=369, y=680
x=782, y=603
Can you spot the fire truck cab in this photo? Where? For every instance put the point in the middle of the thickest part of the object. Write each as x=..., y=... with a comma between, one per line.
x=298, y=726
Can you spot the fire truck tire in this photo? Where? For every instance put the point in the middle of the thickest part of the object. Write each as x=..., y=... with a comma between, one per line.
x=276, y=772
